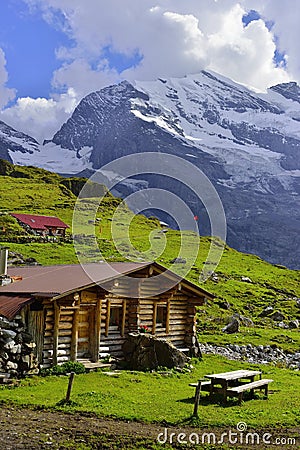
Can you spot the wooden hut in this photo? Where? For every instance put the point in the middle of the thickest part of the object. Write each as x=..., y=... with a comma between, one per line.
x=42, y=225
x=74, y=311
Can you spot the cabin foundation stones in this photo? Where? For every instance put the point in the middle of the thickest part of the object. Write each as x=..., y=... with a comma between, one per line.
x=17, y=349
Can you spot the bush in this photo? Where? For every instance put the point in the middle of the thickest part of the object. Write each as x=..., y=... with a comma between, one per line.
x=64, y=369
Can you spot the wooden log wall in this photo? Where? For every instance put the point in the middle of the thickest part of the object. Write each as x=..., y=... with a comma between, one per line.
x=175, y=329
x=47, y=360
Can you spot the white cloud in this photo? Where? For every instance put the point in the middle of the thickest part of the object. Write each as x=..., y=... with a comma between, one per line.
x=40, y=118
x=83, y=78
x=173, y=37
x=6, y=94
x=286, y=28
x=245, y=54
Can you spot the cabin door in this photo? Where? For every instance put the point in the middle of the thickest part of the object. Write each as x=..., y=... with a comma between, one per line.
x=36, y=324
x=85, y=332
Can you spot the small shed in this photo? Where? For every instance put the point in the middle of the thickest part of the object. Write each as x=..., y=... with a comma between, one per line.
x=42, y=225
x=73, y=317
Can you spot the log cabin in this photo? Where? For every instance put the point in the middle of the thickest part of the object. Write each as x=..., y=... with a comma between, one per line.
x=74, y=311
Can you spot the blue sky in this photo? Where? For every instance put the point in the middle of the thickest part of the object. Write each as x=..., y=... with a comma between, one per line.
x=29, y=43
x=56, y=51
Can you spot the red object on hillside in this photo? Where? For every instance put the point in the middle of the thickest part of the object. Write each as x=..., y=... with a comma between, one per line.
x=46, y=225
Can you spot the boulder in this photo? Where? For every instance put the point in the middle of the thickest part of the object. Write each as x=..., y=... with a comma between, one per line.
x=267, y=311
x=247, y=280
x=232, y=327
x=147, y=352
x=178, y=261
x=224, y=305
x=277, y=316
x=293, y=324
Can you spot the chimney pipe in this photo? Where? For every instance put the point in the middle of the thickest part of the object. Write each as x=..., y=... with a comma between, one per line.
x=3, y=261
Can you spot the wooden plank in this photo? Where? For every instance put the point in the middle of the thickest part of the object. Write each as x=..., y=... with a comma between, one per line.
x=65, y=325
x=65, y=333
x=74, y=336
x=107, y=318
x=87, y=296
x=123, y=317
x=55, y=332
x=154, y=318
x=97, y=331
x=168, y=317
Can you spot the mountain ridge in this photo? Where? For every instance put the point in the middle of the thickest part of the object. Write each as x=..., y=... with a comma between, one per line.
x=246, y=143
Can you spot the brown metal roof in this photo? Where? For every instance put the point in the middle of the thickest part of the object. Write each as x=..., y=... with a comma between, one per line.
x=56, y=280
x=10, y=305
x=53, y=281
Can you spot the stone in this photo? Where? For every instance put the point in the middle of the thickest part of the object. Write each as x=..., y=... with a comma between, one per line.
x=247, y=280
x=11, y=365
x=9, y=345
x=8, y=334
x=266, y=311
x=178, y=261
x=4, y=323
x=282, y=325
x=232, y=327
x=277, y=316
x=294, y=324
x=16, y=349
x=147, y=352
x=224, y=305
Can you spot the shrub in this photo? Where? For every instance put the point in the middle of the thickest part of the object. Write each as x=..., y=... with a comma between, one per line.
x=64, y=369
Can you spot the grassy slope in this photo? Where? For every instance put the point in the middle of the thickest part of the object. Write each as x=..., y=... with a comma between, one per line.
x=36, y=191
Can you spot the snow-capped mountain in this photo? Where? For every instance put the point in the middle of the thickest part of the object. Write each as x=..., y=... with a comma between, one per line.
x=14, y=144
x=246, y=143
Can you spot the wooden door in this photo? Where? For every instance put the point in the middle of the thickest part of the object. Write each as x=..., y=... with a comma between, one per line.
x=86, y=332
x=36, y=324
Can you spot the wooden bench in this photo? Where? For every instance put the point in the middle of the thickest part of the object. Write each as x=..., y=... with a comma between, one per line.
x=239, y=390
x=205, y=385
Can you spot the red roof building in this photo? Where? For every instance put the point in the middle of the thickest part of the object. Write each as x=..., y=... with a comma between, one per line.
x=45, y=225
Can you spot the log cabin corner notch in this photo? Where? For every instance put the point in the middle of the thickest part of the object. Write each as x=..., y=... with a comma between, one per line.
x=73, y=318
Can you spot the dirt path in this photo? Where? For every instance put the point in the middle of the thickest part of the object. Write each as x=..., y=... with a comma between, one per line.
x=28, y=429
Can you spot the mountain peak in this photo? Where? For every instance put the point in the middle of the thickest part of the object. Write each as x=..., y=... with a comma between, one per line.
x=290, y=90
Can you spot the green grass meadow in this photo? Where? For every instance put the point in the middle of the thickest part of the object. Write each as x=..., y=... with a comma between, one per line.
x=165, y=397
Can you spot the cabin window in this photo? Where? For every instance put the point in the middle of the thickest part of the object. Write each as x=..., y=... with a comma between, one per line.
x=115, y=316
x=161, y=316
x=115, y=319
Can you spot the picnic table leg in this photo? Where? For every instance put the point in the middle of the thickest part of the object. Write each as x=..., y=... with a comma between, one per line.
x=211, y=388
x=266, y=391
x=197, y=399
x=225, y=386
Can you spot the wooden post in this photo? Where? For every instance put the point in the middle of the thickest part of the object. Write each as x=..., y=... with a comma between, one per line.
x=154, y=317
x=71, y=379
x=197, y=398
x=107, y=317
x=123, y=318
x=55, y=332
x=168, y=317
x=74, y=339
x=97, y=330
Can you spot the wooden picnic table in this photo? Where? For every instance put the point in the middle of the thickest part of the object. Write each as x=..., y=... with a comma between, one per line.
x=229, y=379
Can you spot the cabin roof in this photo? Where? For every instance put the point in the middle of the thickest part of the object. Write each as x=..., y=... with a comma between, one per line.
x=40, y=222
x=54, y=281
